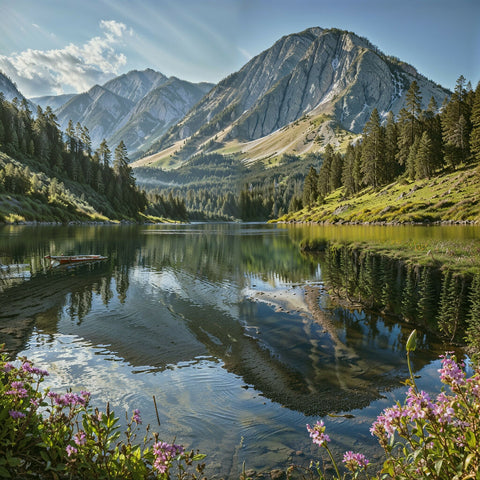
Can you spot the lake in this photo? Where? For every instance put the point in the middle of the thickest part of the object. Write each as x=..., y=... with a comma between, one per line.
x=228, y=326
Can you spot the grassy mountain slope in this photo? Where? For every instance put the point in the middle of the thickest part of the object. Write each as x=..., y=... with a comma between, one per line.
x=448, y=197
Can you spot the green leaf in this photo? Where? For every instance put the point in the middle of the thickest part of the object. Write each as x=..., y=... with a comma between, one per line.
x=4, y=473
x=198, y=457
x=44, y=455
x=438, y=466
x=469, y=459
x=13, y=461
x=471, y=439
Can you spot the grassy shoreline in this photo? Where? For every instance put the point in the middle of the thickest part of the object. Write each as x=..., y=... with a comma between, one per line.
x=450, y=198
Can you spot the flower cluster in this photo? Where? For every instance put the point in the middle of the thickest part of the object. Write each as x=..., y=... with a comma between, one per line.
x=424, y=437
x=451, y=373
x=317, y=433
x=164, y=454
x=61, y=432
x=69, y=399
x=136, y=417
x=439, y=435
x=354, y=461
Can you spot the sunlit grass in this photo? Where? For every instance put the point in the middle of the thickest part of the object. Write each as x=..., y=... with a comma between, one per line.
x=451, y=197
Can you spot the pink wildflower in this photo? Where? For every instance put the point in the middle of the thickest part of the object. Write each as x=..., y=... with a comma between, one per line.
x=8, y=367
x=71, y=450
x=80, y=438
x=136, y=416
x=353, y=461
x=451, y=373
x=164, y=454
x=317, y=433
x=16, y=415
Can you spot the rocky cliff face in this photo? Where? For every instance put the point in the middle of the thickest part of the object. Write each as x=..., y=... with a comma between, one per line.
x=136, y=107
x=330, y=72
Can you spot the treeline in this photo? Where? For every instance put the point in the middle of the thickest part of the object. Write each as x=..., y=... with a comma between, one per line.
x=440, y=300
x=416, y=144
x=221, y=187
x=37, y=144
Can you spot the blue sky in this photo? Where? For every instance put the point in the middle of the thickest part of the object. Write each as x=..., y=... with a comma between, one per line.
x=65, y=46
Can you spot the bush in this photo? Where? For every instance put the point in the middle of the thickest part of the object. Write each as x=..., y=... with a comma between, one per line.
x=437, y=438
x=49, y=435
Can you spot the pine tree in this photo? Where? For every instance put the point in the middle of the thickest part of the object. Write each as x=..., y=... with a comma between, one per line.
x=473, y=329
x=391, y=149
x=373, y=151
x=310, y=192
x=413, y=101
x=456, y=126
x=324, y=173
x=475, y=118
x=410, y=295
x=428, y=298
x=404, y=138
x=425, y=161
x=335, y=177
x=104, y=153
x=412, y=159
x=348, y=179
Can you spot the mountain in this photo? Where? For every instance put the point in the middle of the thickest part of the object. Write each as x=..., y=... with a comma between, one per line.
x=99, y=109
x=310, y=88
x=9, y=89
x=137, y=107
x=158, y=110
x=52, y=101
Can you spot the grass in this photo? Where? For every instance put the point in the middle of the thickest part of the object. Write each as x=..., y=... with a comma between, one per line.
x=449, y=197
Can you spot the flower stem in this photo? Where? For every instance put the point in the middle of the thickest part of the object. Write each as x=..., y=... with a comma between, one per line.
x=333, y=461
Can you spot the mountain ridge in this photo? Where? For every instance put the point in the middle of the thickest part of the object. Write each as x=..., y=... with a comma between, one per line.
x=318, y=72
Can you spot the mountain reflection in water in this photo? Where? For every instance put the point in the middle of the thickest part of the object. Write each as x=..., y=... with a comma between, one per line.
x=240, y=299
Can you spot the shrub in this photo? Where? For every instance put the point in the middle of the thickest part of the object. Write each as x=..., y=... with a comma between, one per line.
x=430, y=438
x=50, y=435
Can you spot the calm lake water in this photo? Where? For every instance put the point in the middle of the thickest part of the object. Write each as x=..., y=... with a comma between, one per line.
x=227, y=325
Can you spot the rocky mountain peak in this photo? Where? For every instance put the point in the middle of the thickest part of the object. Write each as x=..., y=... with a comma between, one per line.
x=334, y=73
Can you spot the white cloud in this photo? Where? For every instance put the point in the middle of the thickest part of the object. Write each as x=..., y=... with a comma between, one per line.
x=76, y=67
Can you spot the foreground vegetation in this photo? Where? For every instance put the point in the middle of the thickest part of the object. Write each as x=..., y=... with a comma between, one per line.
x=44, y=434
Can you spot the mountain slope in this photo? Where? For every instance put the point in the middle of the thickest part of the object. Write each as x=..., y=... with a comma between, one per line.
x=136, y=107
x=332, y=78
x=53, y=101
x=9, y=89
x=158, y=110
x=452, y=196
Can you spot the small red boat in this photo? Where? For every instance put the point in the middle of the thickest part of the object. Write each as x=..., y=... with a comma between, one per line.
x=56, y=260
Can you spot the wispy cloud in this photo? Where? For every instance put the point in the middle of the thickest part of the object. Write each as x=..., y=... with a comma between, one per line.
x=246, y=54
x=74, y=67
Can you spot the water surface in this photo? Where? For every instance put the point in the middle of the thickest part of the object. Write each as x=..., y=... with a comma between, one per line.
x=227, y=325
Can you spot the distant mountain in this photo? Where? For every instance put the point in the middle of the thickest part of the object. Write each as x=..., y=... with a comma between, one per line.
x=52, y=101
x=135, y=84
x=158, y=110
x=297, y=96
x=137, y=107
x=9, y=89
x=99, y=109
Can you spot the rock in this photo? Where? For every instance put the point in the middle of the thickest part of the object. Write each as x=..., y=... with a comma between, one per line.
x=277, y=474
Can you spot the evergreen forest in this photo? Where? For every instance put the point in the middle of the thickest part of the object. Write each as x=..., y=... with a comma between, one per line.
x=417, y=144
